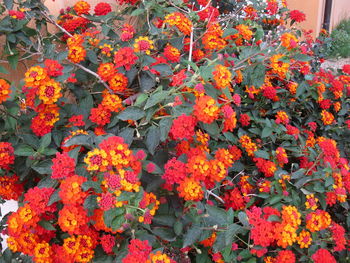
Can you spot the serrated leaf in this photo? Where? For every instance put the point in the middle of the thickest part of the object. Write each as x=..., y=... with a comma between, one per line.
x=230, y=233
x=91, y=55
x=90, y=202
x=45, y=141
x=242, y=217
x=192, y=236
x=156, y=98
x=218, y=214
x=131, y=113
x=24, y=150
x=178, y=227
x=262, y=154
x=147, y=81
x=44, y=167
x=152, y=139
x=164, y=127
x=47, y=225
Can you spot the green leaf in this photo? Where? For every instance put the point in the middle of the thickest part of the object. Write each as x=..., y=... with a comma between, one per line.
x=47, y=225
x=242, y=217
x=178, y=227
x=138, y=12
x=8, y=4
x=275, y=199
x=218, y=215
x=156, y=98
x=262, y=154
x=298, y=174
x=230, y=233
x=44, y=167
x=24, y=150
x=165, y=233
x=45, y=141
x=266, y=132
x=302, y=57
x=91, y=55
x=229, y=32
x=114, y=217
x=3, y=70
x=192, y=236
x=164, y=126
x=147, y=81
x=82, y=139
x=164, y=69
x=152, y=139
x=55, y=197
x=90, y=202
x=131, y=113
x=91, y=184
x=13, y=60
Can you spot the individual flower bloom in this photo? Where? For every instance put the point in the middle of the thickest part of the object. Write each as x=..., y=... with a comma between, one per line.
x=322, y=255
x=5, y=90
x=198, y=166
x=172, y=54
x=338, y=235
x=297, y=16
x=282, y=117
x=248, y=145
x=289, y=41
x=209, y=13
x=327, y=117
x=292, y=87
x=53, y=68
x=112, y=102
x=38, y=199
x=106, y=49
x=285, y=256
x=234, y=199
x=236, y=99
x=281, y=156
x=205, y=109
x=222, y=76
x=270, y=92
x=318, y=220
x=102, y=9
x=178, y=78
x=43, y=123
x=337, y=106
x=35, y=77
x=337, y=88
x=278, y=66
x=180, y=21
x=183, y=127
x=84, y=255
x=17, y=14
x=75, y=40
x=312, y=125
x=118, y=83
x=76, y=54
x=244, y=120
x=71, y=192
x=294, y=131
x=107, y=243
x=143, y=44
x=213, y=37
x=131, y=2
x=230, y=120
x=174, y=172
x=128, y=32
x=10, y=186
x=244, y=32
x=198, y=55
x=138, y=251
x=99, y=131
x=325, y=104
x=7, y=155
x=158, y=257
x=106, y=71
x=311, y=202
x=304, y=239
x=217, y=172
x=81, y=7
x=331, y=198
x=190, y=190
x=43, y=252
x=77, y=120
x=72, y=79
x=100, y=115
x=72, y=218
x=96, y=160
x=235, y=152
x=125, y=57
x=267, y=167
x=63, y=166
x=106, y=201
x=50, y=91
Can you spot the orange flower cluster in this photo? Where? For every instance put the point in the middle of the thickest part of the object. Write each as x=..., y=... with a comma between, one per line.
x=5, y=90
x=222, y=76
x=278, y=66
x=10, y=187
x=244, y=33
x=7, y=156
x=106, y=71
x=281, y=156
x=289, y=41
x=180, y=21
x=327, y=117
x=143, y=44
x=248, y=145
x=172, y=54
x=213, y=37
x=311, y=202
x=205, y=109
x=81, y=8
x=76, y=51
x=318, y=220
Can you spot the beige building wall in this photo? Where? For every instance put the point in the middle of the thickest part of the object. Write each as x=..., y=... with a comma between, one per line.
x=340, y=11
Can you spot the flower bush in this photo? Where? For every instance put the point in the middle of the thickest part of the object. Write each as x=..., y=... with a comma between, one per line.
x=172, y=131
